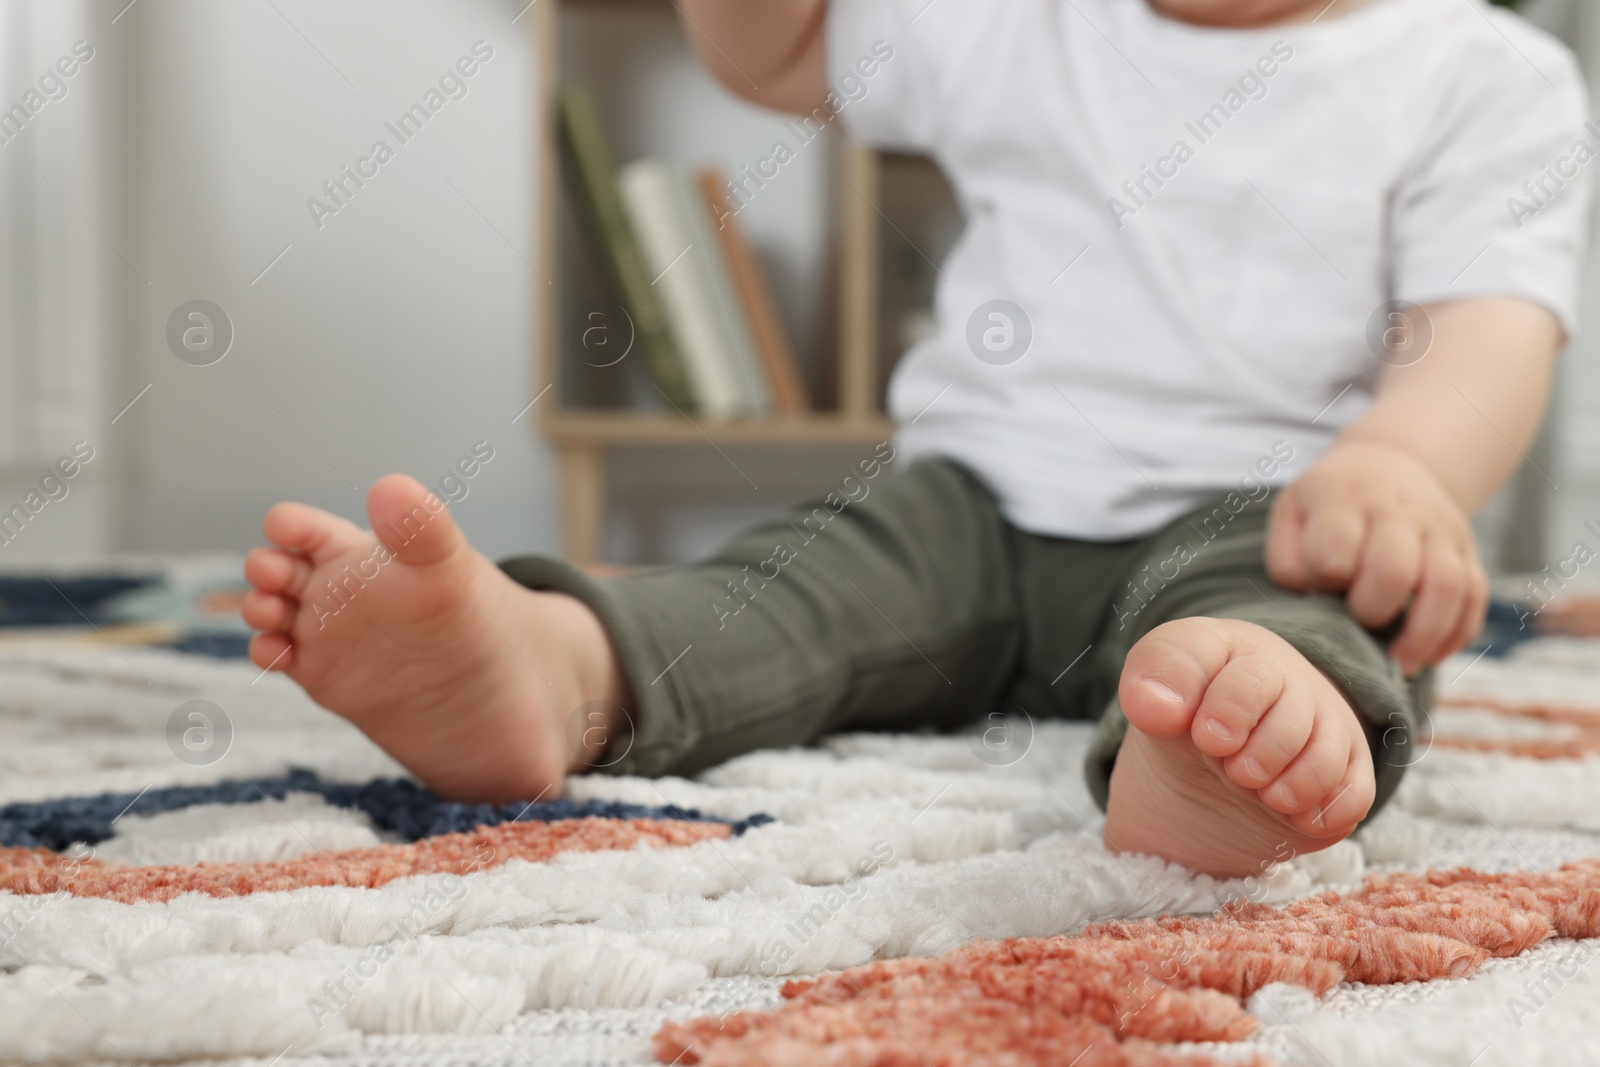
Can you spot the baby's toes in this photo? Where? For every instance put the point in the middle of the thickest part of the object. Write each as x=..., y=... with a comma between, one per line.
x=1276, y=742
x=273, y=570
x=267, y=611
x=1315, y=773
x=1168, y=671
x=1337, y=814
x=1237, y=702
x=317, y=533
x=271, y=651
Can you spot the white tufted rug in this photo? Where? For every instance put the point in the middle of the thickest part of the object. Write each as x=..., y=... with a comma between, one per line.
x=883, y=846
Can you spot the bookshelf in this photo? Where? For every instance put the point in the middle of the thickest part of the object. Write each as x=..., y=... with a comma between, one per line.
x=585, y=438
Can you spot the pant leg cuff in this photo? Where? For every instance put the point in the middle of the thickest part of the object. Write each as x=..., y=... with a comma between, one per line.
x=657, y=741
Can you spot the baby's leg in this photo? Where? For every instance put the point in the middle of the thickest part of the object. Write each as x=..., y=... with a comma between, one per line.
x=895, y=608
x=1251, y=724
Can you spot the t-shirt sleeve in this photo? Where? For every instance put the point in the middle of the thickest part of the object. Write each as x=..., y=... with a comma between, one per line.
x=1498, y=204
x=885, y=60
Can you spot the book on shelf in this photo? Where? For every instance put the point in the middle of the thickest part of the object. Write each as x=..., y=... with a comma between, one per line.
x=674, y=252
x=787, y=387
x=617, y=246
x=716, y=279
x=680, y=265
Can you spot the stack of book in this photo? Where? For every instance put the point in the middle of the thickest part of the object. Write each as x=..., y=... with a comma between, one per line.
x=679, y=265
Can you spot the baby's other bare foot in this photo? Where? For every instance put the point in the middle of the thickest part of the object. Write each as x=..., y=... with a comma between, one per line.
x=1239, y=752
x=465, y=677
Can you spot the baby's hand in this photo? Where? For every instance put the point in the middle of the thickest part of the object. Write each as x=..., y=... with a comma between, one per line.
x=1370, y=521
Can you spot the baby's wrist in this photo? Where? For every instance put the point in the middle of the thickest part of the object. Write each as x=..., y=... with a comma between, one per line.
x=1380, y=454
x=1378, y=461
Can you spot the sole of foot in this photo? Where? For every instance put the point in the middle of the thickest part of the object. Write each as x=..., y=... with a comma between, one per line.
x=466, y=678
x=1239, y=753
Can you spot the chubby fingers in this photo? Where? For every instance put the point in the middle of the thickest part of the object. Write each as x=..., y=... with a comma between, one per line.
x=1335, y=538
x=1448, y=609
x=1286, y=562
x=1473, y=614
x=1390, y=569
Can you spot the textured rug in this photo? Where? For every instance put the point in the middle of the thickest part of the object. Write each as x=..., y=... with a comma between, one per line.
x=196, y=864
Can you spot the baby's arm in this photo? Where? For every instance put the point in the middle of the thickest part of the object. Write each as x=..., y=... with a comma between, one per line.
x=1383, y=515
x=770, y=52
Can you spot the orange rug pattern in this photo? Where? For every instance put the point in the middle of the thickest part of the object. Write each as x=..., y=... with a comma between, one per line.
x=1581, y=745
x=38, y=870
x=1121, y=993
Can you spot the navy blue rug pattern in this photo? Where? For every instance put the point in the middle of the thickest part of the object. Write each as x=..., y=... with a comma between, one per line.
x=394, y=805
x=39, y=602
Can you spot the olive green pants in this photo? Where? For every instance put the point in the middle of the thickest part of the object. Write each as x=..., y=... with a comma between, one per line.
x=913, y=604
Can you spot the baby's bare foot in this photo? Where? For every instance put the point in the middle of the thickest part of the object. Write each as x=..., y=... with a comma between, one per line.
x=467, y=678
x=1239, y=752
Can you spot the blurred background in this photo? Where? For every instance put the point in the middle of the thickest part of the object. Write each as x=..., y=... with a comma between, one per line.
x=177, y=163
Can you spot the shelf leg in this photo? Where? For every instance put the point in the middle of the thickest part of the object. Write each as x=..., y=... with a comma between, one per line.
x=859, y=254
x=583, y=501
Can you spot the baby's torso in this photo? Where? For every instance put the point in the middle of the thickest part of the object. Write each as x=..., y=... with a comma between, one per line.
x=1181, y=243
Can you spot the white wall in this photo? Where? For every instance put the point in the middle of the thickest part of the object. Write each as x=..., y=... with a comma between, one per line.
x=60, y=275
x=391, y=338
x=398, y=333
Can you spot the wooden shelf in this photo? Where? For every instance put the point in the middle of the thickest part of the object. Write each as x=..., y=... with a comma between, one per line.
x=585, y=439
x=636, y=428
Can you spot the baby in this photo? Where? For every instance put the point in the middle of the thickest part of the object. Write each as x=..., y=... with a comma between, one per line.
x=1257, y=302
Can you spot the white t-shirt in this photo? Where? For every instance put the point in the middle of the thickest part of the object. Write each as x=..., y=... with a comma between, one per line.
x=1198, y=226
